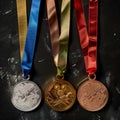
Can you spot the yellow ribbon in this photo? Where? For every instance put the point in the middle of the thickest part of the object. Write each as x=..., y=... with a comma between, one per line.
x=64, y=36
x=22, y=23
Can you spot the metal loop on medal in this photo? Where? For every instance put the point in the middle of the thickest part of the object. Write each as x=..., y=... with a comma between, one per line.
x=26, y=78
x=60, y=76
x=92, y=77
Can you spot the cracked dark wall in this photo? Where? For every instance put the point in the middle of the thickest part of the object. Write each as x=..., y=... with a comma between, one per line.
x=44, y=69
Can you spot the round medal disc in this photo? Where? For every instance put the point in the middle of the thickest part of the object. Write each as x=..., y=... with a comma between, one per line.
x=26, y=96
x=60, y=95
x=92, y=95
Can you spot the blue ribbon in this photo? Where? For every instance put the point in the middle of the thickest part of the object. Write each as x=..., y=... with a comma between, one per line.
x=28, y=54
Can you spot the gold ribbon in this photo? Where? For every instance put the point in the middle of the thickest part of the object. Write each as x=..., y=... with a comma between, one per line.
x=64, y=36
x=22, y=23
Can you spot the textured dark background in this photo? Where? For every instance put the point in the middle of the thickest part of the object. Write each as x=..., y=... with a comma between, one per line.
x=43, y=67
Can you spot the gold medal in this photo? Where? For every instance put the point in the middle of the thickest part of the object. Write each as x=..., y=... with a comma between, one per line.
x=60, y=95
x=92, y=95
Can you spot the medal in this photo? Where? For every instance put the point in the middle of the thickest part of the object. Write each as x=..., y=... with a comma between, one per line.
x=60, y=95
x=92, y=95
x=26, y=95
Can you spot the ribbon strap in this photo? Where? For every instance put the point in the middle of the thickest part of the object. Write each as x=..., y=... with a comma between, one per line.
x=31, y=36
x=22, y=23
x=54, y=30
x=64, y=36
x=88, y=41
x=82, y=29
x=93, y=30
x=59, y=43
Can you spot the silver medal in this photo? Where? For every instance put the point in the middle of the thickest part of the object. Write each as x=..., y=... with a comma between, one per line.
x=26, y=96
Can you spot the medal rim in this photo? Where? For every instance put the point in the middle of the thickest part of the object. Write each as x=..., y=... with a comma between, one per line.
x=38, y=103
x=102, y=106
x=53, y=83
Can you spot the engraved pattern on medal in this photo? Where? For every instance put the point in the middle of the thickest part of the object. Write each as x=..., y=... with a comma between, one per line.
x=92, y=95
x=26, y=95
x=60, y=96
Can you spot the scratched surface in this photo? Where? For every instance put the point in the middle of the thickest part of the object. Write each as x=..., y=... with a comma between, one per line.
x=43, y=66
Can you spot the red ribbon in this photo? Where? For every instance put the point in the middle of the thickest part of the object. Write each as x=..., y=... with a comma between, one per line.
x=88, y=40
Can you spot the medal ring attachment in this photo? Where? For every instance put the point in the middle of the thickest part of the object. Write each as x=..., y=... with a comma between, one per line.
x=26, y=78
x=60, y=76
x=92, y=77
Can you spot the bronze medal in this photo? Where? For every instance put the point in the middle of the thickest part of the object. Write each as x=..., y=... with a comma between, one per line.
x=92, y=95
x=60, y=95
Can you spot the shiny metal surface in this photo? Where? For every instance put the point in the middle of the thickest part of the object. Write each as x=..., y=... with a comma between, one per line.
x=43, y=66
x=92, y=95
x=60, y=95
x=26, y=96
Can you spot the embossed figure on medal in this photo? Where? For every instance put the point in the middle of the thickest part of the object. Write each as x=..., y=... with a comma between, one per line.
x=92, y=95
x=26, y=95
x=60, y=95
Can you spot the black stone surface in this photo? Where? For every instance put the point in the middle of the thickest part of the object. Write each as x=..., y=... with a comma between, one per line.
x=44, y=69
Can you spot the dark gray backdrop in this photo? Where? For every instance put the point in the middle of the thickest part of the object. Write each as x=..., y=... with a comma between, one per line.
x=43, y=66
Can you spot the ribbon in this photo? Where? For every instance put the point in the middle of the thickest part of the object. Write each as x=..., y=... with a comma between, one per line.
x=64, y=36
x=93, y=24
x=54, y=30
x=29, y=47
x=88, y=40
x=22, y=23
x=59, y=42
